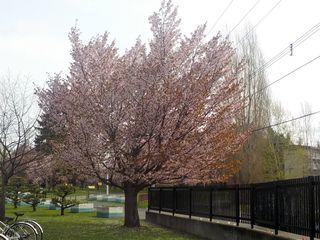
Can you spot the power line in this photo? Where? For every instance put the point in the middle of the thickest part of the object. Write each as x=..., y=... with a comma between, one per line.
x=305, y=36
x=277, y=57
x=282, y=53
x=221, y=15
x=298, y=41
x=284, y=76
x=261, y=20
x=286, y=121
x=293, y=45
x=247, y=13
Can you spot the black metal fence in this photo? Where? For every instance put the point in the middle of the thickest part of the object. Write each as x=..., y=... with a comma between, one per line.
x=289, y=205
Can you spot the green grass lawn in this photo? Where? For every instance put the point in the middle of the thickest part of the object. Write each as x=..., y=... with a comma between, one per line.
x=80, y=226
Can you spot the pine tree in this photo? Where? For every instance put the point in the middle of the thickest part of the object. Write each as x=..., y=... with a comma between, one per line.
x=45, y=135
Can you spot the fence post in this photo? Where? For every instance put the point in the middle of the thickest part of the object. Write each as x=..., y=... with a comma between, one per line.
x=210, y=199
x=160, y=200
x=276, y=208
x=237, y=202
x=190, y=199
x=252, y=196
x=311, y=207
x=173, y=201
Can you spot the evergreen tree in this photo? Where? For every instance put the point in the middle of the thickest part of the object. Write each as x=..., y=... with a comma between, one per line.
x=45, y=135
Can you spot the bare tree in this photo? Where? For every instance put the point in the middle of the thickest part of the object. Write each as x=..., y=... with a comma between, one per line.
x=16, y=131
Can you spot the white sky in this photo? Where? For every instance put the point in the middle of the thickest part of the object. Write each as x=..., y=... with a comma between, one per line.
x=34, y=35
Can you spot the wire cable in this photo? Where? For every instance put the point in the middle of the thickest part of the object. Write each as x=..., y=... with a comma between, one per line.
x=221, y=15
x=284, y=76
x=286, y=121
x=256, y=3
x=295, y=44
x=261, y=20
x=305, y=36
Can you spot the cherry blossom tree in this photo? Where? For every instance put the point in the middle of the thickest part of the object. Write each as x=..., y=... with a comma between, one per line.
x=161, y=113
x=51, y=170
x=48, y=172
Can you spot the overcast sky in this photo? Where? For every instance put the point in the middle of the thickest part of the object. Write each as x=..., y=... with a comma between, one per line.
x=34, y=35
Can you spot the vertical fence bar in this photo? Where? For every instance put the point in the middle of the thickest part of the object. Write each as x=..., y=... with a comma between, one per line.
x=276, y=208
x=173, y=201
x=252, y=200
x=149, y=199
x=190, y=202
x=311, y=207
x=210, y=199
x=160, y=200
x=237, y=202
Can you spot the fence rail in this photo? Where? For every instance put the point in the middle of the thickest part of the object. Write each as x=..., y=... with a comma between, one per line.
x=289, y=205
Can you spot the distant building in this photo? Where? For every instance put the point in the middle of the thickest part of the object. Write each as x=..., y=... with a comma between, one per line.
x=301, y=161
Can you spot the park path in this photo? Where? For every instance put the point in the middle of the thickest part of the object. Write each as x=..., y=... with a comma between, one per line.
x=142, y=213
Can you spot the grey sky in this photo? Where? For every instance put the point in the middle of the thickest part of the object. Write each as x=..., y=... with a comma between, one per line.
x=34, y=35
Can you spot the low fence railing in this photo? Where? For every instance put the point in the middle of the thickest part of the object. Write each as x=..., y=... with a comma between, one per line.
x=289, y=205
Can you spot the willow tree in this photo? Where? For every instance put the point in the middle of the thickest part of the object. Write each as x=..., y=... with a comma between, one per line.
x=161, y=113
x=256, y=113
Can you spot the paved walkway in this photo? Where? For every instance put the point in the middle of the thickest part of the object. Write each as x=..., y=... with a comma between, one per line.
x=142, y=213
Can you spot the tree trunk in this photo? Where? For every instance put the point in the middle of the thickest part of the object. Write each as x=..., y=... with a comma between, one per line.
x=3, y=199
x=62, y=211
x=131, y=217
x=34, y=208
